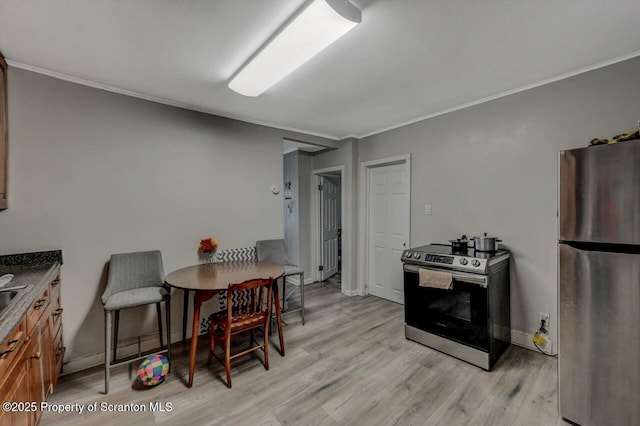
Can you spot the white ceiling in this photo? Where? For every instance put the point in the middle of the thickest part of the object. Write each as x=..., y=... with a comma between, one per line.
x=407, y=60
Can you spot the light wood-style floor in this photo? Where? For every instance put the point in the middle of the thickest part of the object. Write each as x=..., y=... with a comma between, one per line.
x=350, y=364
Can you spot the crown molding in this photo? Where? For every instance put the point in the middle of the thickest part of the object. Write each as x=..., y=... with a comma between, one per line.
x=191, y=107
x=156, y=99
x=500, y=95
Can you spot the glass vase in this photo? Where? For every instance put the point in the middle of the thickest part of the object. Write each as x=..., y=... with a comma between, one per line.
x=207, y=257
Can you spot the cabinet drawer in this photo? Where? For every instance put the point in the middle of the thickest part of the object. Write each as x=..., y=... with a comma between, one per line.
x=36, y=310
x=55, y=305
x=56, y=320
x=58, y=352
x=54, y=291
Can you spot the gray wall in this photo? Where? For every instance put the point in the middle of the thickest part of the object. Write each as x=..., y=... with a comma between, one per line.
x=297, y=226
x=493, y=168
x=304, y=205
x=291, y=207
x=95, y=173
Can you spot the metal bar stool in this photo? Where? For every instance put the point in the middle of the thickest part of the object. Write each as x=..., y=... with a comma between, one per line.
x=135, y=279
x=275, y=251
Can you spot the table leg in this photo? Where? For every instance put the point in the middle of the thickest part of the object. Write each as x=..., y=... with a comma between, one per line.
x=185, y=313
x=278, y=316
x=194, y=336
x=198, y=298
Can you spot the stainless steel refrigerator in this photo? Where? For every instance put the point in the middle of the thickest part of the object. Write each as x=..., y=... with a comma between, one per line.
x=599, y=284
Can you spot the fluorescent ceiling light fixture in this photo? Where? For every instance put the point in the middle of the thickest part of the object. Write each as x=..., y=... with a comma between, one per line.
x=317, y=26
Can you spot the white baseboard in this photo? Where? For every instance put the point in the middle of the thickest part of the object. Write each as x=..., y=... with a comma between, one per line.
x=351, y=292
x=147, y=344
x=82, y=363
x=520, y=338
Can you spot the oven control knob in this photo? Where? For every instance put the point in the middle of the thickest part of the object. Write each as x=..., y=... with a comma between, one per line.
x=408, y=254
x=463, y=261
x=417, y=255
x=475, y=262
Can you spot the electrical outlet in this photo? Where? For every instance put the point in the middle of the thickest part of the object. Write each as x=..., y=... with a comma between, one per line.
x=543, y=316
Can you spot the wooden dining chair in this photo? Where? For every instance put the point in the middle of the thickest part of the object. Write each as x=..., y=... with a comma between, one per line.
x=248, y=309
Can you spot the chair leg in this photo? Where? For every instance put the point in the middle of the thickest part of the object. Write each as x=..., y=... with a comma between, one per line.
x=167, y=309
x=302, y=296
x=278, y=316
x=284, y=293
x=266, y=343
x=252, y=338
x=107, y=349
x=159, y=312
x=227, y=355
x=116, y=327
x=212, y=343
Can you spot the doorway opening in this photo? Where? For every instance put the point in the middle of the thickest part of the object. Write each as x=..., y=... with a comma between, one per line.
x=297, y=164
x=330, y=234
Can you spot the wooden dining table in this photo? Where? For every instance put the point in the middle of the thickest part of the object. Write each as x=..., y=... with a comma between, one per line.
x=206, y=280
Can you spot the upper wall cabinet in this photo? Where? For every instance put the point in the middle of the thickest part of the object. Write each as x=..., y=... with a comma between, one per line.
x=4, y=133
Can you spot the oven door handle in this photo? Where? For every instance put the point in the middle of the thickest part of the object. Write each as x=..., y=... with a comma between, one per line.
x=480, y=280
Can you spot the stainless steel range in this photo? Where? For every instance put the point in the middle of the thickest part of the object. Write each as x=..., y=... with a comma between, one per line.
x=470, y=319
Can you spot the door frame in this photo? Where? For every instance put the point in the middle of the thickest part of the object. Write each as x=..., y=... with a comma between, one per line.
x=364, y=202
x=316, y=225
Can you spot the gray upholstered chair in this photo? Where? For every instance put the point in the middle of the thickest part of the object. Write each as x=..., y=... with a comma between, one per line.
x=275, y=251
x=135, y=279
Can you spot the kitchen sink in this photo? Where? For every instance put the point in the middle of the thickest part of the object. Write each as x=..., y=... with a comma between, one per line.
x=5, y=299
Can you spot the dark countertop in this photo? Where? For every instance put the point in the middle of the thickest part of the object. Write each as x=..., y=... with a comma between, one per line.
x=34, y=270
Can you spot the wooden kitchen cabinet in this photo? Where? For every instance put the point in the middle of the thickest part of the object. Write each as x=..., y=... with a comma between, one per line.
x=14, y=382
x=35, y=360
x=17, y=391
x=34, y=357
x=4, y=133
x=38, y=351
x=54, y=324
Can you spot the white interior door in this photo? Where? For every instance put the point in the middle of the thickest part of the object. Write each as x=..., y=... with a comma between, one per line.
x=388, y=232
x=329, y=218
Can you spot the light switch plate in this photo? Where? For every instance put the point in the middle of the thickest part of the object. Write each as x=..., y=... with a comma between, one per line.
x=427, y=209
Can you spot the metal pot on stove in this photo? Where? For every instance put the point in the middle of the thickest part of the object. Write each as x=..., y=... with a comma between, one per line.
x=486, y=243
x=460, y=245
